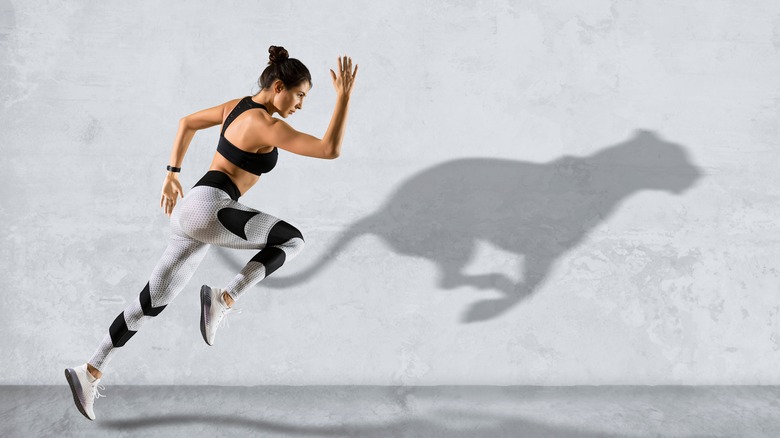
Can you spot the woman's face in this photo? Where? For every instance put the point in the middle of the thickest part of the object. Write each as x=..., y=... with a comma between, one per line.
x=289, y=100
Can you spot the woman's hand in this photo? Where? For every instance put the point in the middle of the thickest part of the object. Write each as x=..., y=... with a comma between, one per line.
x=346, y=78
x=170, y=189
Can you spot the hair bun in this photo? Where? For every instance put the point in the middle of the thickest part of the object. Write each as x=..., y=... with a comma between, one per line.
x=277, y=54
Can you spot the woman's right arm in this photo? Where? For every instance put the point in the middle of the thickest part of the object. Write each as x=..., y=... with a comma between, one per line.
x=284, y=136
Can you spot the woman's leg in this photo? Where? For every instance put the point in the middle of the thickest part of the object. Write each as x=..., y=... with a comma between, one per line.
x=175, y=268
x=218, y=218
x=247, y=228
x=278, y=242
x=243, y=227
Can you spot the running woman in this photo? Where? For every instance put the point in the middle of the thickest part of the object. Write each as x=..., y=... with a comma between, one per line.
x=210, y=212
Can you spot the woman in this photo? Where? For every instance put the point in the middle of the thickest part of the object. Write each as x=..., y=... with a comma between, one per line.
x=211, y=214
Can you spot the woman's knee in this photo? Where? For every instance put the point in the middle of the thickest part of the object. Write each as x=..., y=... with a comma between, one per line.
x=296, y=245
x=282, y=233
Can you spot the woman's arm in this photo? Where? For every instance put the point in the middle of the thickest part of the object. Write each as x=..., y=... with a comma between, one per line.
x=188, y=126
x=343, y=83
x=338, y=123
x=287, y=138
x=284, y=136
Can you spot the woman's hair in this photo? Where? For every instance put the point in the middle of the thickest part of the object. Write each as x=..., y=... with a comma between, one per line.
x=280, y=66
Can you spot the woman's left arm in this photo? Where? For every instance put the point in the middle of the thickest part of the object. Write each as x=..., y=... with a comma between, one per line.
x=188, y=126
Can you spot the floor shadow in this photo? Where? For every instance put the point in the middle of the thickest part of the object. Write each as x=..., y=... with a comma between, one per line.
x=536, y=210
x=450, y=424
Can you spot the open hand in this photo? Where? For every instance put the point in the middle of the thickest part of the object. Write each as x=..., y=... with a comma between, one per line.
x=170, y=190
x=346, y=77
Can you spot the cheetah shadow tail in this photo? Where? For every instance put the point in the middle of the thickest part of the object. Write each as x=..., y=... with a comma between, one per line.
x=359, y=228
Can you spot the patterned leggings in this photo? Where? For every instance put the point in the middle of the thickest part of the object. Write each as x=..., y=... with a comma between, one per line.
x=209, y=214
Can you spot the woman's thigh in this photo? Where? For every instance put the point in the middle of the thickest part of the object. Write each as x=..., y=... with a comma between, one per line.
x=209, y=215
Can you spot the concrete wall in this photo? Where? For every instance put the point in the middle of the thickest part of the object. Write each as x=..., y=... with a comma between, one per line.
x=551, y=193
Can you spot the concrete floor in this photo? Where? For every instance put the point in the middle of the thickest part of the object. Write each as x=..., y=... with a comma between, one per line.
x=381, y=411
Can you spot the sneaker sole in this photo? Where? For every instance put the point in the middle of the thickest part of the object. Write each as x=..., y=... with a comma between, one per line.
x=72, y=377
x=205, y=306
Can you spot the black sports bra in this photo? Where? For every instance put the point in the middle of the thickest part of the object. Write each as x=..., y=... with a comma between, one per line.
x=251, y=162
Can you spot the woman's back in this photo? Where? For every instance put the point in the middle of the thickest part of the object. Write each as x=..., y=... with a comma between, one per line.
x=240, y=150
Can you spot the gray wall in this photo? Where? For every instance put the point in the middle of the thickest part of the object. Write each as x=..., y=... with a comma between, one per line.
x=552, y=193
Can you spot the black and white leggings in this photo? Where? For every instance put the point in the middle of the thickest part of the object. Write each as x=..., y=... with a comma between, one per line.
x=209, y=214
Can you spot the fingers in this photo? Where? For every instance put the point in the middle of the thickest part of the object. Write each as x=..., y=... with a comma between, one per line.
x=169, y=206
x=167, y=203
x=346, y=75
x=345, y=64
x=345, y=68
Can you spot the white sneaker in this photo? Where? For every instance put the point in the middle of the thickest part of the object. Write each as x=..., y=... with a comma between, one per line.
x=84, y=391
x=212, y=311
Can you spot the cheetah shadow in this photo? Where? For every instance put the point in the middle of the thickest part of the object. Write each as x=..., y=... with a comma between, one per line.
x=536, y=210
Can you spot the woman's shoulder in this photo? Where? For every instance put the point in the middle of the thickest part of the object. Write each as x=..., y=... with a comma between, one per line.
x=231, y=104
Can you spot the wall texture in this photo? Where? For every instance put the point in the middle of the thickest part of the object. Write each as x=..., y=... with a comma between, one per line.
x=549, y=193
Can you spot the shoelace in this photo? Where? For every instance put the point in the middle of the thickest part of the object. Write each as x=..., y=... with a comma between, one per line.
x=95, y=393
x=223, y=321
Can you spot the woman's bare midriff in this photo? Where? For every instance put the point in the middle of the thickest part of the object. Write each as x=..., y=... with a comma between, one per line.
x=241, y=178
